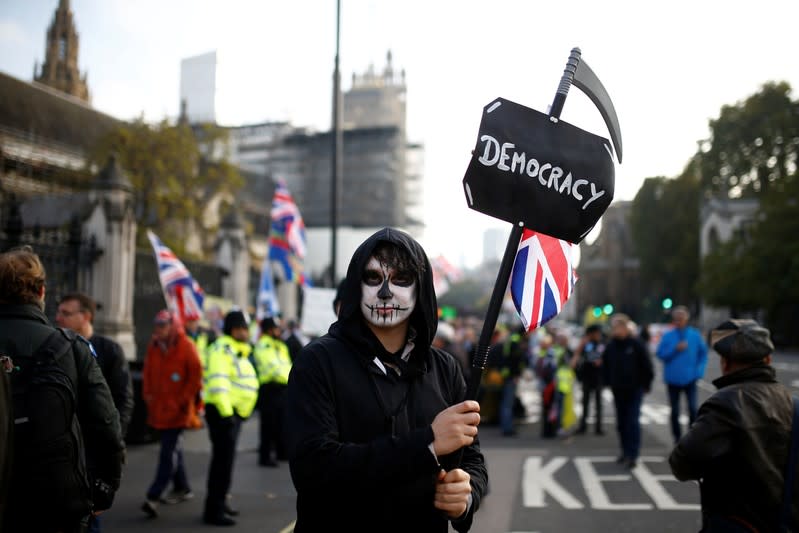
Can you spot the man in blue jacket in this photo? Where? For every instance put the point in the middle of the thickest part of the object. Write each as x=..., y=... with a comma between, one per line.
x=684, y=356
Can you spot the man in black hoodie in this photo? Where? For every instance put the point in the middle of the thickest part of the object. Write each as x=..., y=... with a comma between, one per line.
x=376, y=415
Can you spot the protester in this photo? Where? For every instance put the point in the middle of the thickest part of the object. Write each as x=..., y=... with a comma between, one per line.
x=294, y=338
x=201, y=337
x=629, y=373
x=376, y=415
x=564, y=386
x=272, y=364
x=684, y=356
x=76, y=311
x=589, y=364
x=509, y=358
x=546, y=366
x=50, y=488
x=231, y=391
x=738, y=445
x=171, y=382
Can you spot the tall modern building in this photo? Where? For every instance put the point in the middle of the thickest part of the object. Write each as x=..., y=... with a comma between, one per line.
x=60, y=68
x=198, y=87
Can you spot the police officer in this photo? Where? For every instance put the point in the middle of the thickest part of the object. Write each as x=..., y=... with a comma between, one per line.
x=231, y=390
x=273, y=364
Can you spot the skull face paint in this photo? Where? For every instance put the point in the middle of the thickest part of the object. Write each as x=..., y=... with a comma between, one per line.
x=388, y=296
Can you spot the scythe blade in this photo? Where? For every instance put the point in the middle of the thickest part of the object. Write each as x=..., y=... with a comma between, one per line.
x=587, y=81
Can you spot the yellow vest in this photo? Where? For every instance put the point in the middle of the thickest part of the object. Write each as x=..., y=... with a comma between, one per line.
x=230, y=384
x=272, y=360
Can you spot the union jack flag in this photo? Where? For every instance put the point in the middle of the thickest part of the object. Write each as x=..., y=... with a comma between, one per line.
x=287, y=236
x=542, y=279
x=183, y=294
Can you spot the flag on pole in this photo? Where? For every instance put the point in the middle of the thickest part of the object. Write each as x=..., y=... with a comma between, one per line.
x=542, y=279
x=287, y=243
x=267, y=304
x=183, y=294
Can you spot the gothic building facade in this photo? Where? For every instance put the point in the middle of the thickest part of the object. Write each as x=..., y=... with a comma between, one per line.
x=60, y=68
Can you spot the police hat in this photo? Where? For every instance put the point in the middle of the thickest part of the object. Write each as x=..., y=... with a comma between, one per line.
x=234, y=319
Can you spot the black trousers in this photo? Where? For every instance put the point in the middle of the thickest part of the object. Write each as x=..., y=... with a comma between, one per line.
x=271, y=408
x=592, y=388
x=224, y=433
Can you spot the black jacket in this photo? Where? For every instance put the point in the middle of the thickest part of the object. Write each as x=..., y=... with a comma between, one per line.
x=627, y=365
x=116, y=371
x=738, y=448
x=359, y=439
x=23, y=328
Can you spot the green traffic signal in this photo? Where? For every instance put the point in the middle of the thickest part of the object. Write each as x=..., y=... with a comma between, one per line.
x=608, y=309
x=667, y=303
x=597, y=312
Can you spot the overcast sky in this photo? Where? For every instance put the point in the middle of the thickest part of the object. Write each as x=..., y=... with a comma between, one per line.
x=668, y=66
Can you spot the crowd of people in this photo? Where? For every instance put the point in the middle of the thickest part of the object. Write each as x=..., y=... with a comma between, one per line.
x=372, y=416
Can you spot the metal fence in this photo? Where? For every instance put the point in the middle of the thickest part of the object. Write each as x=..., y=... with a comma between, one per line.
x=68, y=259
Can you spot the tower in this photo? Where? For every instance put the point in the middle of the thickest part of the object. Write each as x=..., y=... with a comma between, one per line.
x=60, y=68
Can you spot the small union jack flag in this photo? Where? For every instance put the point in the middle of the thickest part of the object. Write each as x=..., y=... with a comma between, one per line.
x=543, y=278
x=184, y=295
x=287, y=244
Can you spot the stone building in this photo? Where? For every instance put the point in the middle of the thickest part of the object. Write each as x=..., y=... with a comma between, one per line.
x=60, y=68
x=721, y=219
x=609, y=270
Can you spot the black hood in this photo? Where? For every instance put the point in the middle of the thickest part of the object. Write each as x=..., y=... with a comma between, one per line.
x=351, y=325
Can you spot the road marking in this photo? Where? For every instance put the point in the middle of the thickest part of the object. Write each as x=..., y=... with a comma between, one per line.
x=592, y=483
x=289, y=528
x=538, y=480
x=651, y=484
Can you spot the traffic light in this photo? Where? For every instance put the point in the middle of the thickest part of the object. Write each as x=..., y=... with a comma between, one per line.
x=608, y=309
x=667, y=303
x=597, y=312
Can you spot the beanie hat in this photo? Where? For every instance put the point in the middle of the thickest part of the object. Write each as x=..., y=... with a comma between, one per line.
x=163, y=317
x=234, y=319
x=741, y=340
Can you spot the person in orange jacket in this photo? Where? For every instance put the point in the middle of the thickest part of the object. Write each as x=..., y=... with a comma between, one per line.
x=171, y=384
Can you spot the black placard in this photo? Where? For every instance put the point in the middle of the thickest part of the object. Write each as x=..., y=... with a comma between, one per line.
x=553, y=177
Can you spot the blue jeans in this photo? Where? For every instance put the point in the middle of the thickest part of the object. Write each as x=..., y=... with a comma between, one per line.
x=506, y=406
x=628, y=423
x=170, y=465
x=674, y=400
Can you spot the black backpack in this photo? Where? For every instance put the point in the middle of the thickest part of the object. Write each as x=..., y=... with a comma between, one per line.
x=49, y=465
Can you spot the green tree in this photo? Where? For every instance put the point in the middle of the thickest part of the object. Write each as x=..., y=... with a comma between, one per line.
x=467, y=296
x=754, y=151
x=753, y=143
x=664, y=217
x=175, y=171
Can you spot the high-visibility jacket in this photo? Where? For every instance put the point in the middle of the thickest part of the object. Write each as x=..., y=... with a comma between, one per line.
x=231, y=384
x=272, y=360
x=202, y=345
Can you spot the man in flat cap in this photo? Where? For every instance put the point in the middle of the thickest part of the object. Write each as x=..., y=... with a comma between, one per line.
x=738, y=446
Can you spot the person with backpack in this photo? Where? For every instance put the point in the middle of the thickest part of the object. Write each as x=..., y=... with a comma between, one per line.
x=62, y=409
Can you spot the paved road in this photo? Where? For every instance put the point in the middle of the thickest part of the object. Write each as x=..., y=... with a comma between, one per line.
x=537, y=485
